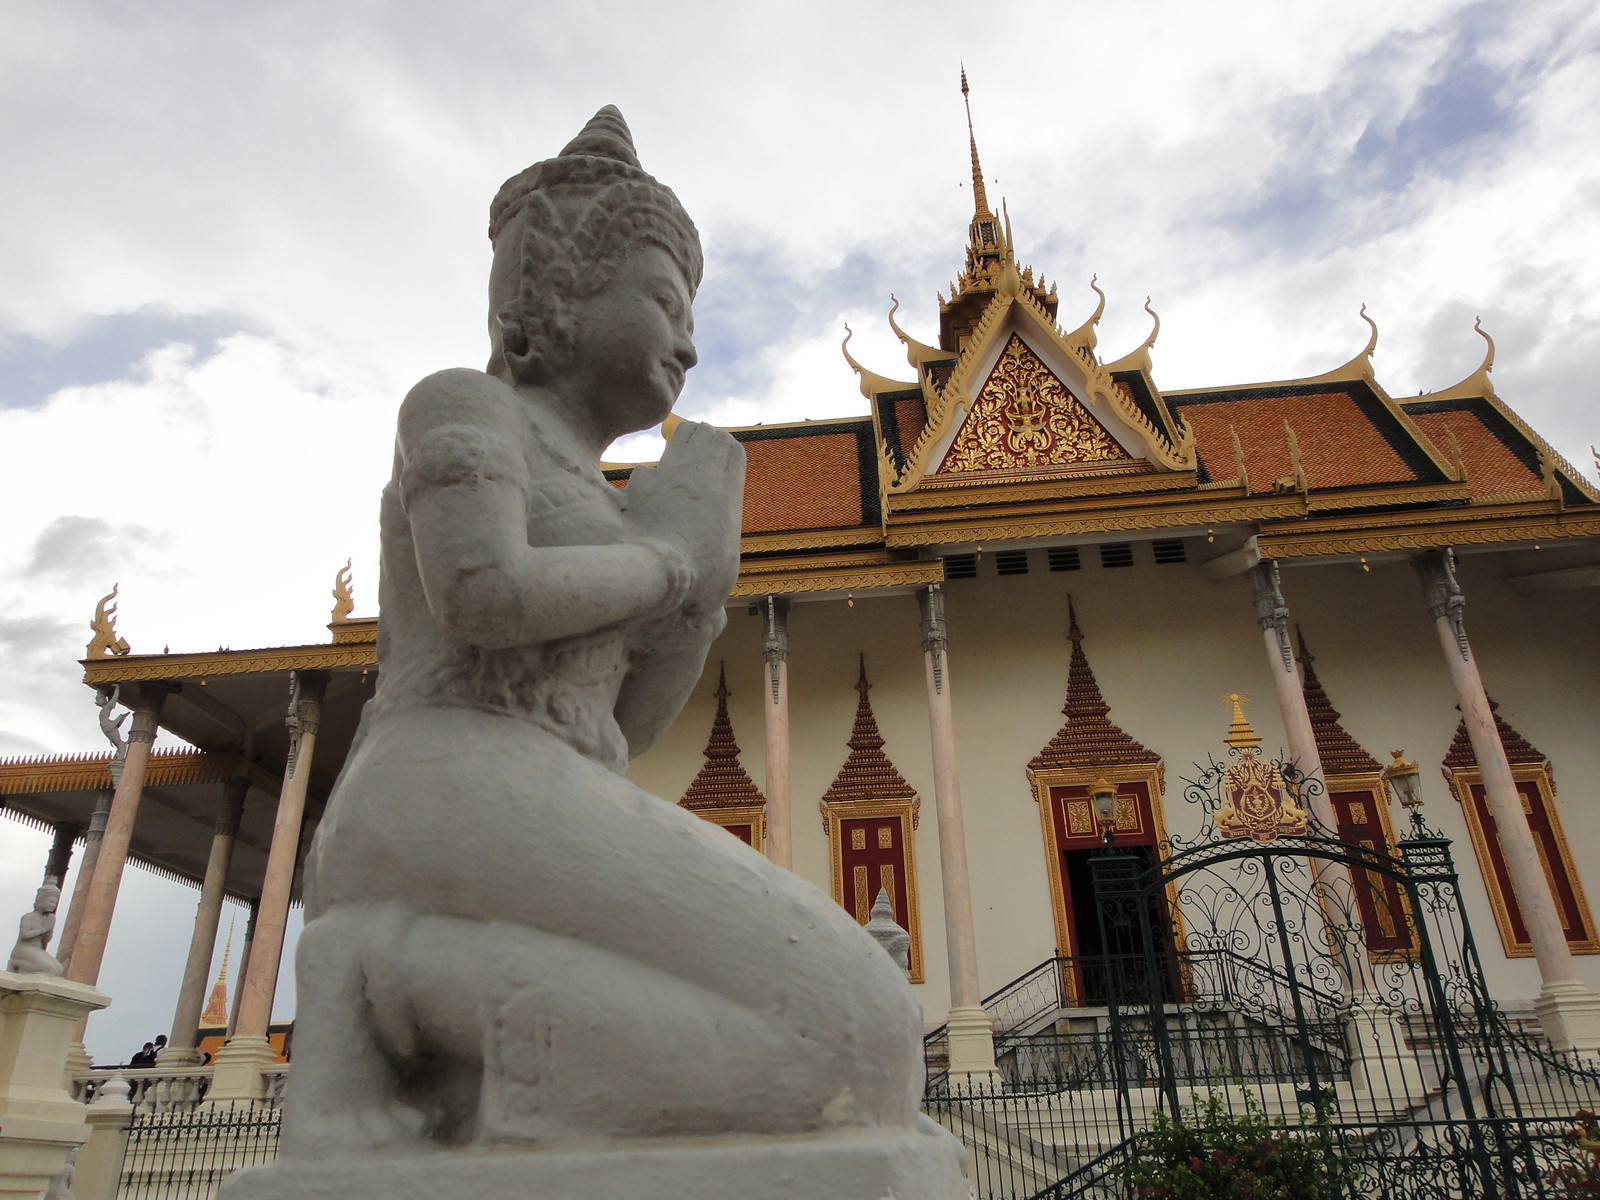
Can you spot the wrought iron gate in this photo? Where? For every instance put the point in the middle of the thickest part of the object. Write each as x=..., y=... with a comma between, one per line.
x=1246, y=984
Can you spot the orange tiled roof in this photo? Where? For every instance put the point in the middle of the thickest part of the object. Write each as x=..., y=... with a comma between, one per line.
x=723, y=781
x=805, y=477
x=1343, y=442
x=867, y=773
x=797, y=479
x=1519, y=752
x=1340, y=753
x=1089, y=738
x=1494, y=468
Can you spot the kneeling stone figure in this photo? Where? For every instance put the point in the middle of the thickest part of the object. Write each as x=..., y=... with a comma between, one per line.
x=520, y=974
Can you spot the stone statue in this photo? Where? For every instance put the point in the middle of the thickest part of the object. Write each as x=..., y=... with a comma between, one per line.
x=105, y=699
x=888, y=933
x=28, y=956
x=508, y=945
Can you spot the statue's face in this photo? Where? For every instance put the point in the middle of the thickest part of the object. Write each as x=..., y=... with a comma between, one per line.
x=46, y=899
x=633, y=343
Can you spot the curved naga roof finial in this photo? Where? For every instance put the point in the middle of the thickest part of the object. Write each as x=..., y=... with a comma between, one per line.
x=1476, y=384
x=1139, y=358
x=1359, y=367
x=1083, y=339
x=916, y=352
x=104, y=627
x=871, y=382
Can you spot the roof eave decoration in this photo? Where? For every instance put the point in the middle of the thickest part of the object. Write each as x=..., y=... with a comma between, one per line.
x=917, y=352
x=1139, y=359
x=1478, y=385
x=949, y=405
x=871, y=382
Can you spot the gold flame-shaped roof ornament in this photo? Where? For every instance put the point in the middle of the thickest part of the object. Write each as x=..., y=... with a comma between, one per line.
x=104, y=627
x=1257, y=802
x=216, y=1013
x=344, y=600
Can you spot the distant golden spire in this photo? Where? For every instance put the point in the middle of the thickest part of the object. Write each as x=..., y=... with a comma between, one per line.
x=216, y=1013
x=980, y=197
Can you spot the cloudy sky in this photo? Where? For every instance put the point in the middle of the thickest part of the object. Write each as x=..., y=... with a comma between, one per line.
x=233, y=235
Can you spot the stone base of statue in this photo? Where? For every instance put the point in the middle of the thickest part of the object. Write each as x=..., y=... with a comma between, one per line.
x=921, y=1165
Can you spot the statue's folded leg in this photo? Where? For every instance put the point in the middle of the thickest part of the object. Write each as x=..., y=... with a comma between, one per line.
x=483, y=1031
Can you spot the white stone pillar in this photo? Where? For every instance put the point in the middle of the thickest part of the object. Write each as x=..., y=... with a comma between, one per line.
x=1272, y=614
x=180, y=1048
x=239, y=1064
x=86, y=865
x=970, y=1030
x=1568, y=1010
x=40, y=1123
x=775, y=698
x=100, y=904
x=1371, y=1029
x=244, y=964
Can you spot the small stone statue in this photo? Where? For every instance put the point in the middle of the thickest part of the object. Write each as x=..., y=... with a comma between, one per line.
x=508, y=946
x=105, y=699
x=895, y=940
x=28, y=956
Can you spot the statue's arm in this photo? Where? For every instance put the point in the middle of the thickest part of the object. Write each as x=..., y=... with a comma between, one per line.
x=693, y=498
x=658, y=684
x=465, y=482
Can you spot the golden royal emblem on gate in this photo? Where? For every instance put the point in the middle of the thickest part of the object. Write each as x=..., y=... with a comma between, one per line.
x=1257, y=802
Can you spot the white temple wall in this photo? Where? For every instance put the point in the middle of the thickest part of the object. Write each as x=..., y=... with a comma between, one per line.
x=1165, y=645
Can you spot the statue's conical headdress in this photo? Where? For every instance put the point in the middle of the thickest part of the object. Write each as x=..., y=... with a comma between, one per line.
x=596, y=202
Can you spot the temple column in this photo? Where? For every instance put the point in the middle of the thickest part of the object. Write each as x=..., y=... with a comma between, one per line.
x=89, y=947
x=239, y=1064
x=1568, y=1010
x=244, y=964
x=208, y=914
x=1272, y=614
x=775, y=653
x=55, y=866
x=86, y=865
x=970, y=1030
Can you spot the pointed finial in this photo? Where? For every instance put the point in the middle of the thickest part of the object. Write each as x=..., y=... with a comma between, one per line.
x=605, y=136
x=344, y=600
x=722, y=688
x=862, y=686
x=980, y=198
x=1074, y=634
x=1305, y=656
x=1239, y=732
x=104, y=627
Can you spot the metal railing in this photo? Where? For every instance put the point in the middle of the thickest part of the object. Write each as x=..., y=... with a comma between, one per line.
x=186, y=1154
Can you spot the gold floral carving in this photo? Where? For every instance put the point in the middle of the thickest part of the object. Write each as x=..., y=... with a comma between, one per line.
x=147, y=667
x=1025, y=417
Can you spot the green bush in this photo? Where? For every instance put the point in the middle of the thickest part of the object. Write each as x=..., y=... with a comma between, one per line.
x=1208, y=1153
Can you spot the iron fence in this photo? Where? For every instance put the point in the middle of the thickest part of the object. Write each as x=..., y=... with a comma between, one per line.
x=185, y=1154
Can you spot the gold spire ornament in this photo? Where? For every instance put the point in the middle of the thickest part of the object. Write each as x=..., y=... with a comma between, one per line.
x=1257, y=802
x=344, y=600
x=216, y=1013
x=104, y=627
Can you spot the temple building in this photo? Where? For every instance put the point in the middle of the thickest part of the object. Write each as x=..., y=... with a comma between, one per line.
x=1027, y=571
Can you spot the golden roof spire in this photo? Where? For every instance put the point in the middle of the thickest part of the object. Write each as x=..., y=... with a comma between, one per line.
x=216, y=1013
x=980, y=197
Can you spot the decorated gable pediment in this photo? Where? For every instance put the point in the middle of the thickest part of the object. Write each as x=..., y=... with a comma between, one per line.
x=1025, y=417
